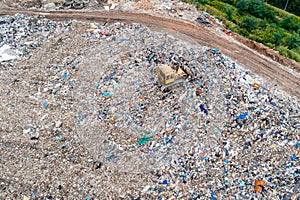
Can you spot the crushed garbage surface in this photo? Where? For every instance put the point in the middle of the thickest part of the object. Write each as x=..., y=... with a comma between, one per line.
x=91, y=122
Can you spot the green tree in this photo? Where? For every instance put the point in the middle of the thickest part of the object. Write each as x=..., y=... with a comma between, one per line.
x=229, y=11
x=243, y=6
x=278, y=36
x=290, y=23
x=256, y=8
x=249, y=23
x=294, y=7
x=274, y=35
x=293, y=41
x=269, y=37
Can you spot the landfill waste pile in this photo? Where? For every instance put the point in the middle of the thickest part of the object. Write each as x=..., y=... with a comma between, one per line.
x=77, y=4
x=52, y=4
x=21, y=3
x=82, y=117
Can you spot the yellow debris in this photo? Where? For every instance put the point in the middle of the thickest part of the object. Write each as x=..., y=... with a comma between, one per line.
x=112, y=120
x=93, y=26
x=26, y=198
x=256, y=86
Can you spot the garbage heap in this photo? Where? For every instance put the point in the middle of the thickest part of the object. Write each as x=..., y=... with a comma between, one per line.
x=91, y=122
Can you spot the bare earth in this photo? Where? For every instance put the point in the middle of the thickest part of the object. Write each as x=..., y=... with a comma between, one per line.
x=258, y=58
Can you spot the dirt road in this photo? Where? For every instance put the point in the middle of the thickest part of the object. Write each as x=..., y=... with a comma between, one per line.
x=243, y=55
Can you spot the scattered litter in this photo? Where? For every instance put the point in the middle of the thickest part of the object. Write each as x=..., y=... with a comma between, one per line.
x=6, y=53
x=259, y=185
x=26, y=198
x=144, y=140
x=243, y=116
x=64, y=110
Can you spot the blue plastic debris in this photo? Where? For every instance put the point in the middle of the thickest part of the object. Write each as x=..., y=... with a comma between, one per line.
x=243, y=116
x=213, y=197
x=217, y=51
x=65, y=75
x=6, y=144
x=34, y=191
x=241, y=182
x=226, y=152
x=168, y=139
x=203, y=109
x=46, y=105
x=106, y=94
x=58, y=138
x=297, y=145
x=273, y=103
x=165, y=182
x=293, y=158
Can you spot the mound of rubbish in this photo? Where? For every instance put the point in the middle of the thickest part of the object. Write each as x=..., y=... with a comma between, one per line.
x=51, y=4
x=82, y=114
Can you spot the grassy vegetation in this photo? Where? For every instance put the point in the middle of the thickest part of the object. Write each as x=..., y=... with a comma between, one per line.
x=258, y=21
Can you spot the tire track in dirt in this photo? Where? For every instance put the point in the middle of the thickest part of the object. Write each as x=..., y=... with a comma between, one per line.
x=248, y=58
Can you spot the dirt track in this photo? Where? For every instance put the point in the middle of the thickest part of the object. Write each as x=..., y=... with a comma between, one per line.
x=249, y=58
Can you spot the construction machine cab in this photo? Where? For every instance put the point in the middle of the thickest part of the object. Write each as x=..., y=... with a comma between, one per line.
x=168, y=76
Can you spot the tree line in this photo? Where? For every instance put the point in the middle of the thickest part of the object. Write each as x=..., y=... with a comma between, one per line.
x=257, y=20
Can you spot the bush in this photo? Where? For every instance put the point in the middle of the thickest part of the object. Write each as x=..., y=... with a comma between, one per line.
x=256, y=8
x=274, y=35
x=293, y=41
x=257, y=35
x=269, y=36
x=294, y=55
x=289, y=53
x=242, y=31
x=258, y=21
x=230, y=25
x=249, y=23
x=225, y=8
x=283, y=51
x=290, y=23
x=271, y=45
x=278, y=36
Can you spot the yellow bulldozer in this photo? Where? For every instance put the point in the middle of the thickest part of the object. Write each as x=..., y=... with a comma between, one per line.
x=169, y=77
